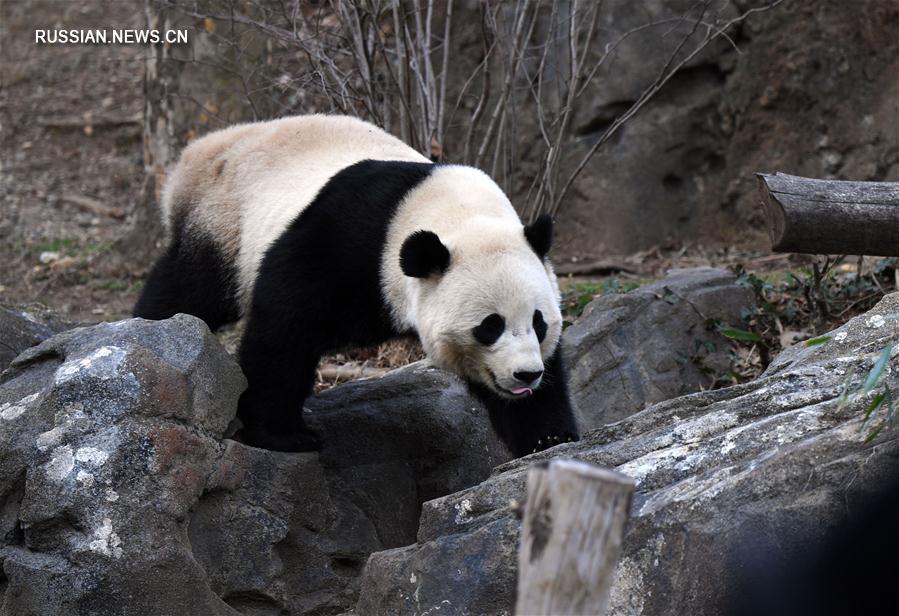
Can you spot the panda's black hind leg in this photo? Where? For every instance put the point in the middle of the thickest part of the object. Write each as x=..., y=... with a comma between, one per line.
x=191, y=277
x=264, y=426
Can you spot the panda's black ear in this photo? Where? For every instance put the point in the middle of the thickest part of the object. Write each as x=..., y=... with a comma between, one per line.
x=540, y=235
x=423, y=254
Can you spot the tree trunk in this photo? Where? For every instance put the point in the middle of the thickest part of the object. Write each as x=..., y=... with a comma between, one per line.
x=571, y=537
x=141, y=243
x=831, y=217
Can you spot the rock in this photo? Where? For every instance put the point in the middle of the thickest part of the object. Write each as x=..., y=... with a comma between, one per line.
x=648, y=185
x=119, y=495
x=654, y=343
x=403, y=439
x=644, y=39
x=766, y=467
x=25, y=326
x=464, y=573
x=291, y=532
x=108, y=434
x=273, y=537
x=656, y=167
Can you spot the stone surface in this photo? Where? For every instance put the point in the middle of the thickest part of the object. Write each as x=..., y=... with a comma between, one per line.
x=273, y=537
x=25, y=326
x=119, y=495
x=798, y=91
x=646, y=186
x=108, y=434
x=651, y=344
x=291, y=532
x=400, y=440
x=723, y=476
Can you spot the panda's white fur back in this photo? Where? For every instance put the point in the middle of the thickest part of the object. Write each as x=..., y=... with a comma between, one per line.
x=242, y=186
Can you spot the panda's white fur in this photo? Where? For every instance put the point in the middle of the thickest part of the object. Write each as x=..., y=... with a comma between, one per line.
x=235, y=199
x=494, y=271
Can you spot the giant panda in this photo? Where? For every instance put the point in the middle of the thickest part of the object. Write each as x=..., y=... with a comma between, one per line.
x=328, y=232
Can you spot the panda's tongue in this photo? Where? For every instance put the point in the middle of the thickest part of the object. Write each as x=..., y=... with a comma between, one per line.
x=522, y=390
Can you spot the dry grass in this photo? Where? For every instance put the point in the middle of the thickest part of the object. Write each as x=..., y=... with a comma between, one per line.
x=351, y=364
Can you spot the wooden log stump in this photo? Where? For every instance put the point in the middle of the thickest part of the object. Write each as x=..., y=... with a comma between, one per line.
x=830, y=216
x=571, y=537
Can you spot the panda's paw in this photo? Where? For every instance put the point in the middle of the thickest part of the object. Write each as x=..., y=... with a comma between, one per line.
x=296, y=441
x=554, y=439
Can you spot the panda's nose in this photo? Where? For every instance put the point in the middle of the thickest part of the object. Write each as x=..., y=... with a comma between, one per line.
x=528, y=377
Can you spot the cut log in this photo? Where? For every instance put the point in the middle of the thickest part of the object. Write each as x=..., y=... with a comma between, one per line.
x=830, y=216
x=571, y=537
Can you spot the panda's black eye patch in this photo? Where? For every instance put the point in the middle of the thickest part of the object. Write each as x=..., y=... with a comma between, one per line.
x=539, y=325
x=490, y=329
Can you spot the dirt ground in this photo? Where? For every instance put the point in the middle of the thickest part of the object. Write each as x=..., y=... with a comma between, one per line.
x=70, y=157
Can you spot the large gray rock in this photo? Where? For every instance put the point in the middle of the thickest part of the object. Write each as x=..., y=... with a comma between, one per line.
x=400, y=440
x=273, y=537
x=25, y=326
x=632, y=350
x=108, y=435
x=290, y=533
x=118, y=494
x=654, y=169
x=720, y=475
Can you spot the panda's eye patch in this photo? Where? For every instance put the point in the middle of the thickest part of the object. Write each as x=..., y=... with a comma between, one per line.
x=490, y=329
x=539, y=326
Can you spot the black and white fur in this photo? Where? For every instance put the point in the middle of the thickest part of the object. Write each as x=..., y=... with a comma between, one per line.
x=327, y=232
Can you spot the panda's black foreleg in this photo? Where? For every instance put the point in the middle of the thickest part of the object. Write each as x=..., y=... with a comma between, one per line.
x=542, y=420
x=280, y=370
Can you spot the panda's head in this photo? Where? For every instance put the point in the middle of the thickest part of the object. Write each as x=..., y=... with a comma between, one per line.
x=486, y=304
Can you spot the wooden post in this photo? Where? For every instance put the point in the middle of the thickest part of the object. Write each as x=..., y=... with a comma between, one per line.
x=830, y=216
x=571, y=537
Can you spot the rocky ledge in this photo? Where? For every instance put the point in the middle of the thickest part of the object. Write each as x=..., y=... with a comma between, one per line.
x=730, y=482
x=119, y=492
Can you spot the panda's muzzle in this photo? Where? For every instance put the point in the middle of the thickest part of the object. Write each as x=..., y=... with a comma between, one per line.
x=530, y=380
